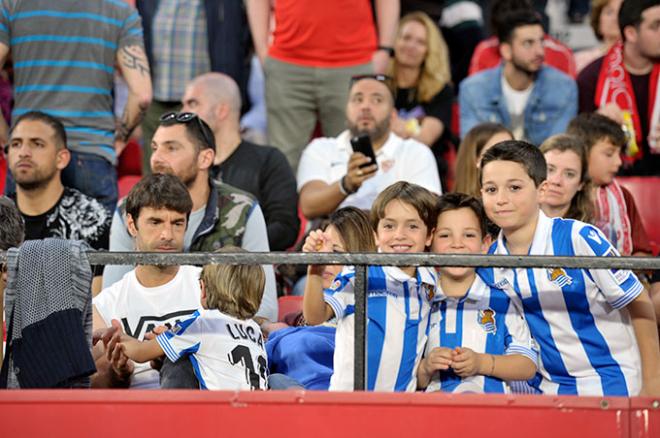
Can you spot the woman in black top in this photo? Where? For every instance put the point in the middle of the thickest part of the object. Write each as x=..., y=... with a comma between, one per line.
x=424, y=95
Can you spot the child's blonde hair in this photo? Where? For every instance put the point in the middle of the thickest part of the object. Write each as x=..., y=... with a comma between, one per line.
x=234, y=289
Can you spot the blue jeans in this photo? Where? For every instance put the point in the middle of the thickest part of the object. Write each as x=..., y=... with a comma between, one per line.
x=91, y=174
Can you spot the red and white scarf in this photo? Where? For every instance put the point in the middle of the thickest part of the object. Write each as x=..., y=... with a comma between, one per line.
x=612, y=217
x=614, y=86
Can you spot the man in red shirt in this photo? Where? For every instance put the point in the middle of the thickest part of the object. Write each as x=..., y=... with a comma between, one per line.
x=317, y=46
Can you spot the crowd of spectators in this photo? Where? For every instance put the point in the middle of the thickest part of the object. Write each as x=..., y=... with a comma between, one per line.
x=374, y=125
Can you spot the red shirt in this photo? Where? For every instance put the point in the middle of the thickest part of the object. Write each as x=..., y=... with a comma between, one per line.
x=487, y=55
x=324, y=33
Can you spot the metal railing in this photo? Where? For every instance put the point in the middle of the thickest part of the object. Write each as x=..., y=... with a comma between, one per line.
x=361, y=261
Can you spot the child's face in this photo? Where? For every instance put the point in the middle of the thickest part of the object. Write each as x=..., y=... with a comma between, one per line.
x=511, y=199
x=402, y=229
x=335, y=242
x=458, y=232
x=564, y=174
x=604, y=162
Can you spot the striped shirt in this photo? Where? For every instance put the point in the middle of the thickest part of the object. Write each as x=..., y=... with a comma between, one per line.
x=180, y=47
x=483, y=320
x=226, y=352
x=577, y=316
x=64, y=54
x=398, y=309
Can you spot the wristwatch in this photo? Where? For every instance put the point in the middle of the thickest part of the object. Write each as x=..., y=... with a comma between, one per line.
x=388, y=49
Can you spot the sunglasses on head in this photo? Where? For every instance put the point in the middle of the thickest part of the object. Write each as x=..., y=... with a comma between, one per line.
x=186, y=118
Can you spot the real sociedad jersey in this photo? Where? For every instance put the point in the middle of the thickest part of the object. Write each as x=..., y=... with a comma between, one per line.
x=483, y=320
x=576, y=316
x=226, y=352
x=398, y=308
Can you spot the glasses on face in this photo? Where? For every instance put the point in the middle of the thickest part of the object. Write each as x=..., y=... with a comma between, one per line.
x=186, y=118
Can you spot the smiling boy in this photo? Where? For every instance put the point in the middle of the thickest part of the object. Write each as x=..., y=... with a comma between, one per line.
x=398, y=299
x=592, y=326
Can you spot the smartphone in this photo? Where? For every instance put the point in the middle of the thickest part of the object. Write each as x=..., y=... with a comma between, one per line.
x=362, y=144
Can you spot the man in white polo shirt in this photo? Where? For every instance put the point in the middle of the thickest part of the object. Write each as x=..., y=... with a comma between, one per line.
x=329, y=174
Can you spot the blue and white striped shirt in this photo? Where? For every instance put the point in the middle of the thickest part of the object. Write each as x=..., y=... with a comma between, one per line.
x=398, y=309
x=483, y=320
x=577, y=316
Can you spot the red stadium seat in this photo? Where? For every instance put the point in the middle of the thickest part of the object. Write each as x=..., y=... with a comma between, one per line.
x=126, y=183
x=130, y=160
x=288, y=304
x=645, y=192
x=3, y=172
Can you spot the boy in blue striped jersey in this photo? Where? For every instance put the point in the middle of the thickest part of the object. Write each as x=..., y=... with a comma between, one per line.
x=398, y=299
x=596, y=328
x=477, y=339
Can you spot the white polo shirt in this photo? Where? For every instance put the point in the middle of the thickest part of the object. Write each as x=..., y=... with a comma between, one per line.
x=325, y=159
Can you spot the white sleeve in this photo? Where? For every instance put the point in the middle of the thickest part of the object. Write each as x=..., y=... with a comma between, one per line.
x=518, y=339
x=421, y=167
x=184, y=338
x=339, y=296
x=315, y=163
x=619, y=286
x=120, y=240
x=255, y=239
x=105, y=302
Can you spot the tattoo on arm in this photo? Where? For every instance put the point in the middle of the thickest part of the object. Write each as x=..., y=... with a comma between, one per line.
x=132, y=57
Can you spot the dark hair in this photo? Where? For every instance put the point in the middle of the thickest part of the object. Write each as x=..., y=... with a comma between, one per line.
x=158, y=191
x=422, y=200
x=521, y=152
x=53, y=122
x=582, y=207
x=456, y=201
x=511, y=21
x=500, y=8
x=353, y=226
x=594, y=127
x=631, y=12
x=197, y=130
x=469, y=151
x=12, y=227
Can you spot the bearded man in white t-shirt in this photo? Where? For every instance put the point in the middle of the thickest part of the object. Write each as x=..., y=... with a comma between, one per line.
x=149, y=296
x=533, y=100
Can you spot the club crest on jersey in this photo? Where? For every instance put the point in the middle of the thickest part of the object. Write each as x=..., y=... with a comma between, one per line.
x=430, y=292
x=335, y=285
x=559, y=277
x=486, y=319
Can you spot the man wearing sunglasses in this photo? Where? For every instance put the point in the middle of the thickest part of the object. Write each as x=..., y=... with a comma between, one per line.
x=183, y=145
x=332, y=174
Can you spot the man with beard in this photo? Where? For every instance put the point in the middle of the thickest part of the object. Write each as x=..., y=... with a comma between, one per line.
x=533, y=100
x=183, y=146
x=262, y=171
x=331, y=175
x=623, y=85
x=37, y=154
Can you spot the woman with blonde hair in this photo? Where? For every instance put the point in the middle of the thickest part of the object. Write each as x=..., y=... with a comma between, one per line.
x=476, y=142
x=568, y=189
x=423, y=92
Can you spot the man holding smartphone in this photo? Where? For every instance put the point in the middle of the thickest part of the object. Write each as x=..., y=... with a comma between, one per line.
x=333, y=173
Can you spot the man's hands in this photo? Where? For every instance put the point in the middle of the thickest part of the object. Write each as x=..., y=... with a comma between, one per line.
x=356, y=175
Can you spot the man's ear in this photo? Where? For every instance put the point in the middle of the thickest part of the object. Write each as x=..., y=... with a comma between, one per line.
x=131, y=226
x=62, y=158
x=205, y=158
x=630, y=33
x=505, y=51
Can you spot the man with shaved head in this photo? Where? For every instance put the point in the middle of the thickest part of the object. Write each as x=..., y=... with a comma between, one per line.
x=262, y=171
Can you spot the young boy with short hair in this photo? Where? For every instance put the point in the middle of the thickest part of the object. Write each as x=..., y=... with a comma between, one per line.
x=398, y=303
x=221, y=340
x=592, y=325
x=478, y=340
x=616, y=214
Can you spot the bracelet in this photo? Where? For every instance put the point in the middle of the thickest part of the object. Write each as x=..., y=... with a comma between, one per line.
x=342, y=187
x=492, y=367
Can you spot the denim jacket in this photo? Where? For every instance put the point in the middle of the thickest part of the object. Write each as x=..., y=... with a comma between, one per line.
x=551, y=105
